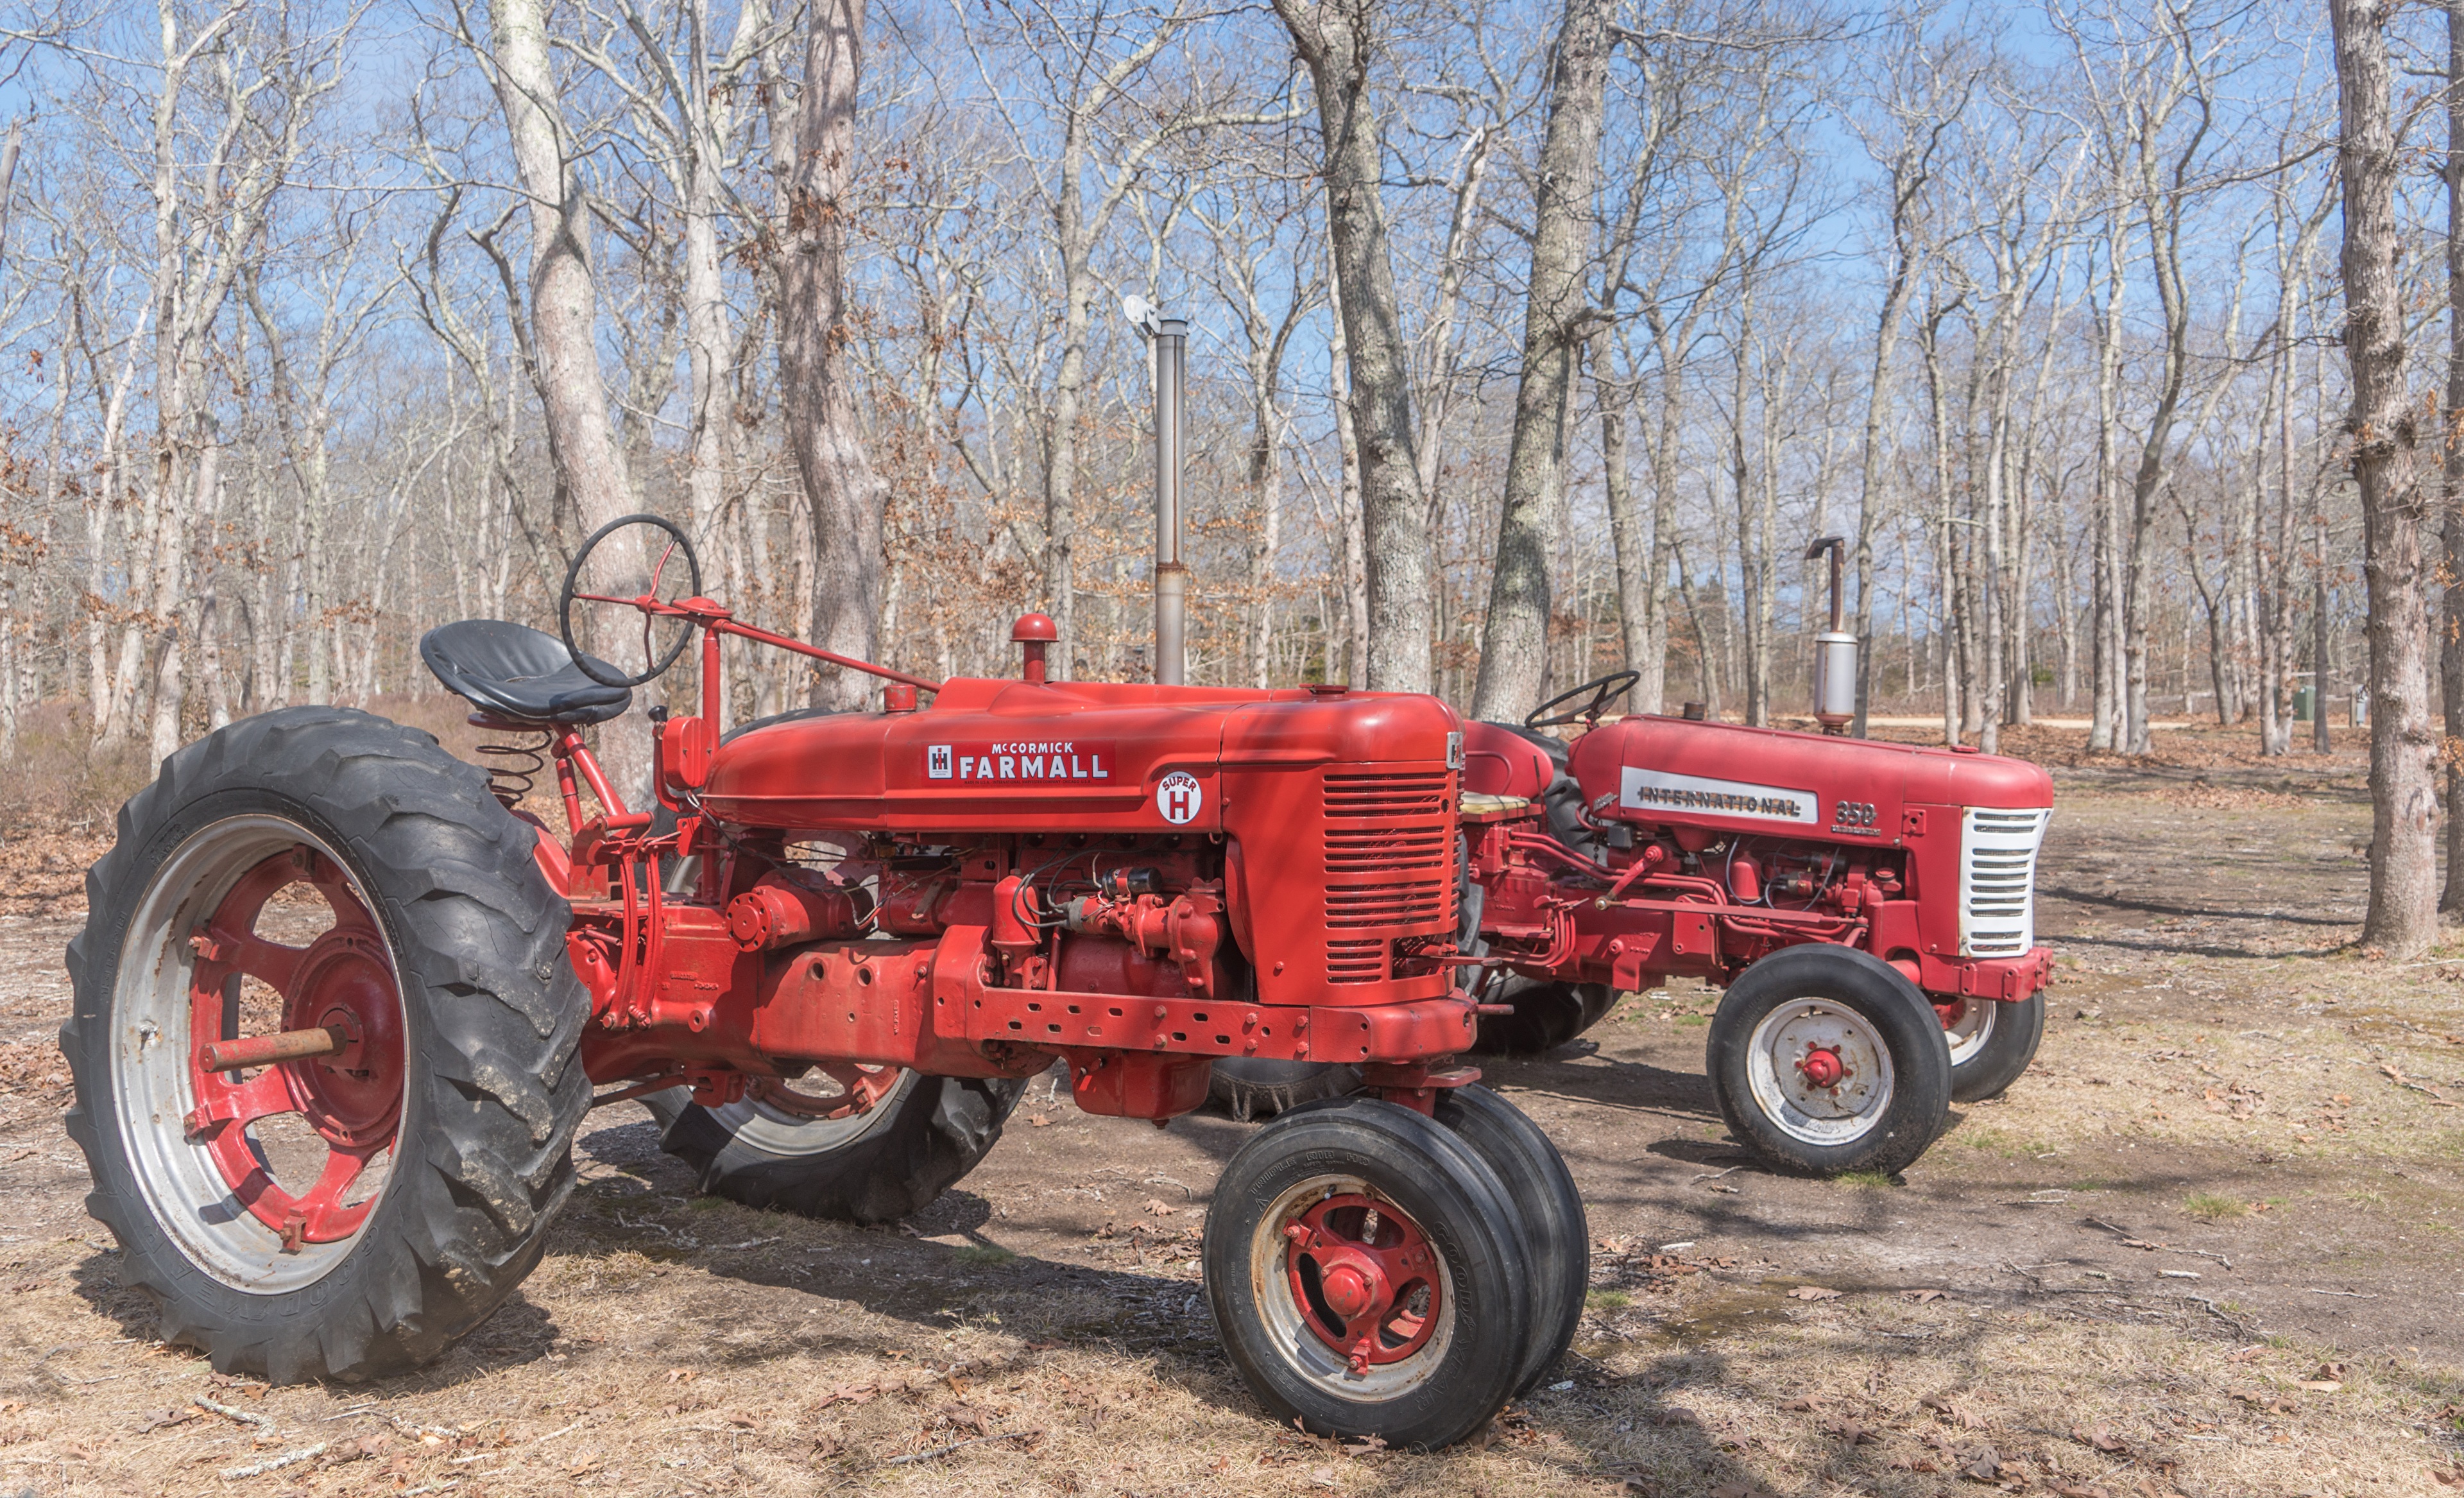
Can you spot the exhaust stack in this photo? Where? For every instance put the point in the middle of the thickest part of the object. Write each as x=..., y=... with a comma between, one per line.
x=1835, y=650
x=1171, y=341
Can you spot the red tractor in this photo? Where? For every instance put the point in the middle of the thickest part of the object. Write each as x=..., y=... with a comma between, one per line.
x=1868, y=907
x=341, y=1010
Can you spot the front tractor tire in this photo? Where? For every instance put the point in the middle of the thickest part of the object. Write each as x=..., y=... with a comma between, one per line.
x=1992, y=1043
x=879, y=1161
x=1825, y=1060
x=1370, y=1274
x=346, y=1214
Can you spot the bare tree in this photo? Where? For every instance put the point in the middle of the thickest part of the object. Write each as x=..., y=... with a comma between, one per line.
x=1921, y=97
x=814, y=387
x=1514, y=645
x=1336, y=40
x=2403, y=917
x=2450, y=447
x=563, y=292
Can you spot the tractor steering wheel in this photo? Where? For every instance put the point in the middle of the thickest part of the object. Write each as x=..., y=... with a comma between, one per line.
x=1604, y=689
x=597, y=670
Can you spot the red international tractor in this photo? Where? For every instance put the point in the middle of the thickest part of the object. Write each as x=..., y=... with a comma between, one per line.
x=1868, y=908
x=341, y=1010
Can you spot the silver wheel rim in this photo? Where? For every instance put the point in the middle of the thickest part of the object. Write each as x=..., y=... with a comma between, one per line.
x=1841, y=1114
x=152, y=1096
x=1288, y=1333
x=1968, y=1038
x=776, y=1130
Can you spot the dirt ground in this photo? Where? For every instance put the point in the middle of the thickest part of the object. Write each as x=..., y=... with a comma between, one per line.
x=2210, y=1245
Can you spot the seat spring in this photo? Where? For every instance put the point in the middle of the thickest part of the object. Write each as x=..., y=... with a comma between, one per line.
x=512, y=767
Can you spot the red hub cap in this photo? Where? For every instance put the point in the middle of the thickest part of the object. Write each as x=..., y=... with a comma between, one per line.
x=351, y=1099
x=1365, y=1278
x=1822, y=1066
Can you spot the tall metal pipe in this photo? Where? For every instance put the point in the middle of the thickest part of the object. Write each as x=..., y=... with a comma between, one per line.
x=1170, y=578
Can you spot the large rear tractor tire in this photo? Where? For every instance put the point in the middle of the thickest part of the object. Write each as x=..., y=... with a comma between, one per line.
x=1370, y=1274
x=1558, y=1240
x=1253, y=1087
x=330, y=876
x=1992, y=1043
x=1825, y=1060
x=1547, y=1014
x=886, y=1158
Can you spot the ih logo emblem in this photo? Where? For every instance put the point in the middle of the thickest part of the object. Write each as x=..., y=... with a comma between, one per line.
x=937, y=762
x=1178, y=798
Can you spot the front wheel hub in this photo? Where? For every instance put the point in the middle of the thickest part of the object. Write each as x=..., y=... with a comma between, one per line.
x=1822, y=1066
x=1365, y=1277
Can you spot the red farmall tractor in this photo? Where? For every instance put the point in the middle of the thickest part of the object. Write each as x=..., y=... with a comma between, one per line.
x=1868, y=907
x=341, y=1010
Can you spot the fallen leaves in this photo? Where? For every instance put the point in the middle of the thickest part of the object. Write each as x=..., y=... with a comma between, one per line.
x=1814, y=1292
x=2325, y=1378
x=2266, y=1404
x=2103, y=1439
x=1920, y=1296
x=2411, y=1085
x=1038, y=1121
x=1155, y=1207
x=1959, y=1416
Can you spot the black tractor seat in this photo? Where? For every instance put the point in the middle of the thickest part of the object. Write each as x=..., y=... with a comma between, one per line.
x=519, y=674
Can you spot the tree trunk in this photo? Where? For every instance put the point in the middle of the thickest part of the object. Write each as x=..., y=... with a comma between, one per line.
x=1514, y=641
x=2404, y=794
x=564, y=329
x=1332, y=40
x=2104, y=713
x=814, y=375
x=2451, y=655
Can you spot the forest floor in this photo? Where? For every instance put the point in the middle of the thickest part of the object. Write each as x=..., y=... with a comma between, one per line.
x=2210, y=1245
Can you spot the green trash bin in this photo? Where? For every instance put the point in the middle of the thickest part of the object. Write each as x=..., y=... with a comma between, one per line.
x=2303, y=698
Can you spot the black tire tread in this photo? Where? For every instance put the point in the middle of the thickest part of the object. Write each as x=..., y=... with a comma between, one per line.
x=1921, y=1057
x=2018, y=1029
x=1558, y=1234
x=1423, y=1159
x=1547, y=1014
x=1244, y=1089
x=938, y=1130
x=479, y=941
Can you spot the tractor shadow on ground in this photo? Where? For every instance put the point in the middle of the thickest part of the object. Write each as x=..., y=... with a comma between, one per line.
x=2119, y=902
x=1577, y=1072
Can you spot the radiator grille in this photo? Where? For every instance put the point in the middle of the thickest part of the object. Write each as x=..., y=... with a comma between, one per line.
x=1997, y=880
x=1389, y=852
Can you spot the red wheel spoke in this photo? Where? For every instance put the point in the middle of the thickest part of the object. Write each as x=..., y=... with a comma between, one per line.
x=1405, y=1264
x=268, y=962
x=224, y=1108
x=325, y=1219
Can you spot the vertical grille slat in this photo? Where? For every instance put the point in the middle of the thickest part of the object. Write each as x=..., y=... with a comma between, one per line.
x=1997, y=880
x=1388, y=850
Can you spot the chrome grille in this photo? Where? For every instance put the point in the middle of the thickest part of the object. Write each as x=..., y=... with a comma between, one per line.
x=1997, y=880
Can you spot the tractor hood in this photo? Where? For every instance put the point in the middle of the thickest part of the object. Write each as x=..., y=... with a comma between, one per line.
x=1651, y=769
x=1007, y=756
